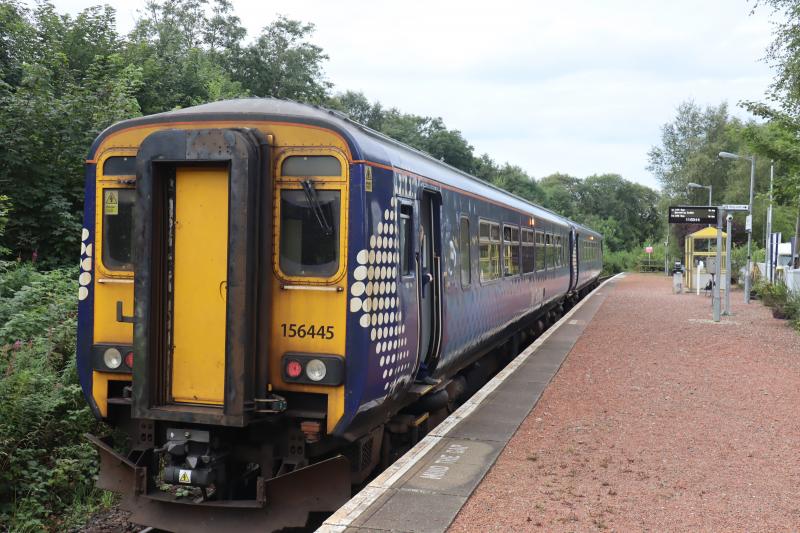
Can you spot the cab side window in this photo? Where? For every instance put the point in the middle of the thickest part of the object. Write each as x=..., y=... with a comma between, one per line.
x=118, y=228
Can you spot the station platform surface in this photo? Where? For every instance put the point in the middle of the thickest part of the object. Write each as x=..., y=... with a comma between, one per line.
x=634, y=412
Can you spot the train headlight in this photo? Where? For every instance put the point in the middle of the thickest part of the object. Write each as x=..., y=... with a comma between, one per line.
x=112, y=358
x=316, y=370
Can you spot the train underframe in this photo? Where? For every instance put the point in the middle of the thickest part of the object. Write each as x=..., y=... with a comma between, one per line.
x=280, y=472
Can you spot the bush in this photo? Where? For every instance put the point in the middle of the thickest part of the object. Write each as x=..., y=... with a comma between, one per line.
x=46, y=467
x=621, y=261
x=772, y=294
x=739, y=258
x=791, y=309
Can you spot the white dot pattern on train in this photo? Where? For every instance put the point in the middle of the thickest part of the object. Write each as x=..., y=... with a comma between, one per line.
x=85, y=277
x=374, y=296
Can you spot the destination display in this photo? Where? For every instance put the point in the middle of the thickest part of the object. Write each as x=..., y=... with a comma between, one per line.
x=687, y=214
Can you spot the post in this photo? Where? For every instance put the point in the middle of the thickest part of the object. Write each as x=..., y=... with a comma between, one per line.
x=727, y=311
x=719, y=266
x=697, y=267
x=768, y=245
x=747, y=280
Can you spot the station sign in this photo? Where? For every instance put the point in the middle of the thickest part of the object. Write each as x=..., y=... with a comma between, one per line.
x=735, y=207
x=687, y=214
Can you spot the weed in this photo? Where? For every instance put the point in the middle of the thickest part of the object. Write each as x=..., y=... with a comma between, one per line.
x=47, y=470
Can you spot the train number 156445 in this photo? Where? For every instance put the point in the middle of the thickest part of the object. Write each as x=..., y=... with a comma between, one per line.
x=302, y=331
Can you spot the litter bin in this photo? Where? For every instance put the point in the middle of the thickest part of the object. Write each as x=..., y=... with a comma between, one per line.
x=677, y=283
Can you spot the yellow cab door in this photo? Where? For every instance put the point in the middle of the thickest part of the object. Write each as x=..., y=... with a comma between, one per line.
x=200, y=285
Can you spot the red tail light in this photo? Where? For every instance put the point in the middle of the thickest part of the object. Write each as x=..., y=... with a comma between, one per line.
x=129, y=360
x=293, y=368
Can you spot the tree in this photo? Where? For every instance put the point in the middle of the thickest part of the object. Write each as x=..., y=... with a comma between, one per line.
x=562, y=193
x=49, y=120
x=689, y=148
x=631, y=207
x=281, y=63
x=17, y=38
x=784, y=54
x=183, y=54
x=356, y=106
x=428, y=134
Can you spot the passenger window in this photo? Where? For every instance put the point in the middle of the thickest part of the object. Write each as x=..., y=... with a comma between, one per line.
x=489, y=250
x=527, y=251
x=558, y=250
x=118, y=228
x=311, y=165
x=540, y=251
x=464, y=251
x=510, y=250
x=549, y=262
x=309, y=232
x=405, y=240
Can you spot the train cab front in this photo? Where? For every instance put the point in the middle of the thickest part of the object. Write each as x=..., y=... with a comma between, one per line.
x=218, y=327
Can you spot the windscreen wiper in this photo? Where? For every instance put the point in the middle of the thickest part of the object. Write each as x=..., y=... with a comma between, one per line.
x=311, y=196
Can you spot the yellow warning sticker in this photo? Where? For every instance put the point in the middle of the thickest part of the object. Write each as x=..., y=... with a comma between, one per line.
x=185, y=476
x=368, y=179
x=111, y=203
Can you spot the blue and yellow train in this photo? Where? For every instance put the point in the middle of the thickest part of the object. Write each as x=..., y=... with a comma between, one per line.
x=275, y=299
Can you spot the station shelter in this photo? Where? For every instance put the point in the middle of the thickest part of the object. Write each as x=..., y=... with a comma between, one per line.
x=701, y=246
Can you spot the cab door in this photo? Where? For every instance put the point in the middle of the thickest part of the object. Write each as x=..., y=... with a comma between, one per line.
x=200, y=285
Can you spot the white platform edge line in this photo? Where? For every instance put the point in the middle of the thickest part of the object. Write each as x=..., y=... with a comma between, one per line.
x=359, y=503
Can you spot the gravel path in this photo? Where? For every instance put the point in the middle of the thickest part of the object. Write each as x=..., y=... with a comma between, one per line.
x=659, y=420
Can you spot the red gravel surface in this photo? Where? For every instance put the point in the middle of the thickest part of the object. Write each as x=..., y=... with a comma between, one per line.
x=658, y=420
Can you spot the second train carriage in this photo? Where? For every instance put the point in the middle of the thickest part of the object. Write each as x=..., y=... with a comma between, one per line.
x=265, y=284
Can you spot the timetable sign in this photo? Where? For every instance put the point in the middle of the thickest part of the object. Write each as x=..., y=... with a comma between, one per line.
x=687, y=214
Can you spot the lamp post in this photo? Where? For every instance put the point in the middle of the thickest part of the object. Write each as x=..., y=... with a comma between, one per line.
x=691, y=185
x=698, y=186
x=767, y=244
x=749, y=224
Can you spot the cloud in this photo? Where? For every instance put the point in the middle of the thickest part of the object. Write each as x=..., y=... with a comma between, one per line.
x=579, y=87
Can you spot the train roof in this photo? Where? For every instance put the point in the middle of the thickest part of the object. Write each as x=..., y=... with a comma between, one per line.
x=365, y=144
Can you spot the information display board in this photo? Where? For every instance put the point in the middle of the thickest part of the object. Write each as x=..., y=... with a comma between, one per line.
x=688, y=214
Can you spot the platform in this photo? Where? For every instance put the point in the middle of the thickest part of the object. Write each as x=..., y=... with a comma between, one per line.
x=425, y=489
x=636, y=412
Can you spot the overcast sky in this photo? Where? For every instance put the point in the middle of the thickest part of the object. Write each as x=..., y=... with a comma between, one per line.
x=580, y=87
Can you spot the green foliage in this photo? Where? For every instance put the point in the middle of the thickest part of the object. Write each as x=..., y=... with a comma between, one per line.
x=424, y=133
x=71, y=82
x=625, y=213
x=784, y=53
x=45, y=466
x=5, y=206
x=65, y=79
x=771, y=294
x=281, y=63
x=688, y=152
x=739, y=259
x=620, y=261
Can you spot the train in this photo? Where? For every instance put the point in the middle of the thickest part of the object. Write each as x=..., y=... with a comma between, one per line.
x=275, y=300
